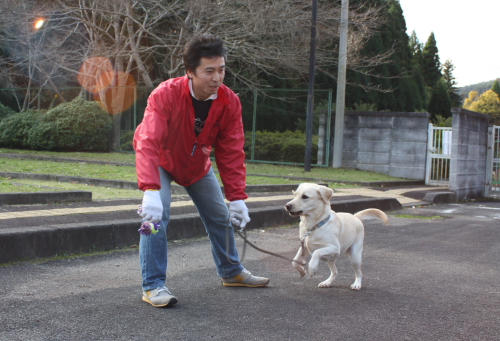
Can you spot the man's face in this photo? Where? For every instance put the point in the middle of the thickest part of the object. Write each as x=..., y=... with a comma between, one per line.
x=208, y=77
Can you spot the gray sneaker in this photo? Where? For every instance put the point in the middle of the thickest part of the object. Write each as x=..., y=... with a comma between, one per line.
x=159, y=297
x=245, y=279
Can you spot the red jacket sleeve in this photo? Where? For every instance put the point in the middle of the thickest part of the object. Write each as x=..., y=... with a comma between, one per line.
x=230, y=156
x=147, y=141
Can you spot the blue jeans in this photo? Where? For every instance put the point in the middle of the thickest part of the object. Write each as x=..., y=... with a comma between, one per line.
x=207, y=197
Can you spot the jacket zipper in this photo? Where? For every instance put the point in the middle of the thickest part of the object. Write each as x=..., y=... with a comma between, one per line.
x=194, y=148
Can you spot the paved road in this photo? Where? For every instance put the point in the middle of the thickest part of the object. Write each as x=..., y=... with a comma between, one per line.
x=424, y=279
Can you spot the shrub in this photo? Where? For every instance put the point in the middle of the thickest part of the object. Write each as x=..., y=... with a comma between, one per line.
x=288, y=146
x=126, y=141
x=15, y=129
x=5, y=111
x=78, y=125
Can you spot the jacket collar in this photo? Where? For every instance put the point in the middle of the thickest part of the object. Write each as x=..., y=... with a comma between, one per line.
x=221, y=93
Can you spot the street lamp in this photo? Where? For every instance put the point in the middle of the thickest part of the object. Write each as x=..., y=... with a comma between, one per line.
x=39, y=23
x=310, y=96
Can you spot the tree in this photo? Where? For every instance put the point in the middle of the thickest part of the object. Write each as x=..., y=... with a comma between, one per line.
x=486, y=103
x=144, y=39
x=430, y=64
x=398, y=83
x=36, y=56
x=416, y=47
x=440, y=103
x=496, y=87
x=448, y=68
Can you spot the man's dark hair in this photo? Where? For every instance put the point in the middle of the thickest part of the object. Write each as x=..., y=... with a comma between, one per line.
x=202, y=46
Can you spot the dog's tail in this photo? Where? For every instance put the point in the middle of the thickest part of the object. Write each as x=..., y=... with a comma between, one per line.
x=372, y=213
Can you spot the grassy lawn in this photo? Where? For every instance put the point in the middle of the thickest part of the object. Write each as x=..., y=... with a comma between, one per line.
x=98, y=193
x=127, y=173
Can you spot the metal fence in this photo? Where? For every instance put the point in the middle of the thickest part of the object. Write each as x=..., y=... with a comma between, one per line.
x=274, y=119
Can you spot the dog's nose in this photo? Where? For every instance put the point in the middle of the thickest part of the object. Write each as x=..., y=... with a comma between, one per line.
x=288, y=207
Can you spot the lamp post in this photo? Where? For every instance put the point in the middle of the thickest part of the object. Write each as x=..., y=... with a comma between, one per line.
x=341, y=79
x=310, y=95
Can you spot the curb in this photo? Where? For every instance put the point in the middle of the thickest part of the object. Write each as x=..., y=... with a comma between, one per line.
x=57, y=240
x=440, y=197
x=30, y=198
x=360, y=183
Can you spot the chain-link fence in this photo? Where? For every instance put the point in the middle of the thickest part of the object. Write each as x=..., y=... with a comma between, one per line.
x=274, y=120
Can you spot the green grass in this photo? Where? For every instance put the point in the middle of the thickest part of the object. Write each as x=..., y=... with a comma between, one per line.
x=108, y=157
x=128, y=173
x=80, y=169
x=10, y=186
x=98, y=193
x=342, y=174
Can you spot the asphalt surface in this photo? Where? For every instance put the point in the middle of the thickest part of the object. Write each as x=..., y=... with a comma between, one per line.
x=423, y=279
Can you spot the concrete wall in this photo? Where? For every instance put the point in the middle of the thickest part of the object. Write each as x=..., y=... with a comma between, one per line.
x=468, y=154
x=393, y=143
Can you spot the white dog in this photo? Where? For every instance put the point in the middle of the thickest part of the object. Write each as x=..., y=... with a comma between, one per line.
x=325, y=234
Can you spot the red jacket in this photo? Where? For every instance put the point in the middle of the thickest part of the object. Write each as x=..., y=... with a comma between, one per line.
x=166, y=138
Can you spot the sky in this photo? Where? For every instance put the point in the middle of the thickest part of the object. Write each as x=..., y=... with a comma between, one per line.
x=466, y=33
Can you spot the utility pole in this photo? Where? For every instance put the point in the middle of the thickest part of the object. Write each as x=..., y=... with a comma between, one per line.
x=310, y=95
x=341, y=80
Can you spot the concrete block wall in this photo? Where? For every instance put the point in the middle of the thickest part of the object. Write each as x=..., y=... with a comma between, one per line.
x=393, y=143
x=468, y=154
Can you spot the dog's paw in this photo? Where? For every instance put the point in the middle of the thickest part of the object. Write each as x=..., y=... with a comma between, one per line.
x=325, y=284
x=301, y=271
x=312, y=271
x=356, y=286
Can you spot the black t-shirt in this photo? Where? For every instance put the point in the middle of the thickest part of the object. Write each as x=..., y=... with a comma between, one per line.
x=201, y=109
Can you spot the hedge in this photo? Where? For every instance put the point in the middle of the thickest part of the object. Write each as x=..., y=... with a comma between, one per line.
x=78, y=125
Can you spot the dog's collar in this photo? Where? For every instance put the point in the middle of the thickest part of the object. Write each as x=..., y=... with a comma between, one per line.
x=321, y=223
x=317, y=226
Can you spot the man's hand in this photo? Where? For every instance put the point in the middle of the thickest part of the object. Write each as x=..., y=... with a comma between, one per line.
x=238, y=213
x=152, y=208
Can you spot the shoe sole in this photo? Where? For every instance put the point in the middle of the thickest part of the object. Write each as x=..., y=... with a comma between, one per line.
x=226, y=284
x=172, y=301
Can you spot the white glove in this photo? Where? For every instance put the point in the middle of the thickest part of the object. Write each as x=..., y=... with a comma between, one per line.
x=238, y=213
x=152, y=208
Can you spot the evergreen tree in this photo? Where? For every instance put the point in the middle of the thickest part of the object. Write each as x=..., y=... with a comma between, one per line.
x=420, y=91
x=448, y=68
x=399, y=76
x=496, y=87
x=416, y=48
x=440, y=103
x=430, y=65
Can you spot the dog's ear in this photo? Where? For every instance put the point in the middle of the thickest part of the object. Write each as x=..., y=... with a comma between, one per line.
x=325, y=193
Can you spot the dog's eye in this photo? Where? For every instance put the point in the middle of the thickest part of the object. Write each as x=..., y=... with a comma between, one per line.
x=305, y=197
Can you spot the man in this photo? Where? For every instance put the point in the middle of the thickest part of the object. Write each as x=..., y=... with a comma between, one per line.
x=184, y=118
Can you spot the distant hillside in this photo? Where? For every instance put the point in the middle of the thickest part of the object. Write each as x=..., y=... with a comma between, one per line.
x=479, y=87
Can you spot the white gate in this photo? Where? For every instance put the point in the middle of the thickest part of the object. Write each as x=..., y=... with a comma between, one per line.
x=495, y=173
x=438, y=156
